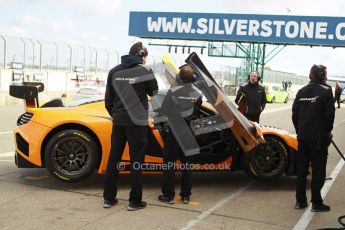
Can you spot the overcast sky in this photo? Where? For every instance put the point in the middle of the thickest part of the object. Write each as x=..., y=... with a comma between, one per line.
x=104, y=24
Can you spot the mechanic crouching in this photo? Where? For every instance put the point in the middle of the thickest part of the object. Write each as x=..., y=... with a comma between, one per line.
x=181, y=106
x=313, y=116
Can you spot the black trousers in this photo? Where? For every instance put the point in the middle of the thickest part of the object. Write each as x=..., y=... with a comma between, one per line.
x=171, y=153
x=137, y=140
x=311, y=151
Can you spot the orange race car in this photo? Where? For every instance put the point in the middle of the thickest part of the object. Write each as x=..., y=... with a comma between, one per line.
x=73, y=140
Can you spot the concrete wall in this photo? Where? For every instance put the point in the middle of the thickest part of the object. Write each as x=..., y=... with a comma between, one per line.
x=56, y=83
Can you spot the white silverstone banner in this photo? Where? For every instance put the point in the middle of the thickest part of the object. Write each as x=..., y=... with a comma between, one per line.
x=302, y=30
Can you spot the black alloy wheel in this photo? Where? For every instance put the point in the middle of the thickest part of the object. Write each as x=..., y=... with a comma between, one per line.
x=268, y=162
x=71, y=155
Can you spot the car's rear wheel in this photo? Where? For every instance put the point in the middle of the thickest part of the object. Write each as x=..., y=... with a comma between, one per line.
x=268, y=161
x=71, y=155
x=273, y=100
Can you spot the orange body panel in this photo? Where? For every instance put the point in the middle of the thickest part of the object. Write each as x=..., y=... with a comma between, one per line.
x=32, y=133
x=290, y=139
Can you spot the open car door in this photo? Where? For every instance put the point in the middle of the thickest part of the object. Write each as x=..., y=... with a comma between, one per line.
x=227, y=115
x=247, y=133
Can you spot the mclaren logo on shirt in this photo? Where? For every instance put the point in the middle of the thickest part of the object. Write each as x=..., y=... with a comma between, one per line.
x=187, y=98
x=309, y=99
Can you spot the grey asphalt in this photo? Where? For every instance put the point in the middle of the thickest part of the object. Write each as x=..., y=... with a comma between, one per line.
x=32, y=199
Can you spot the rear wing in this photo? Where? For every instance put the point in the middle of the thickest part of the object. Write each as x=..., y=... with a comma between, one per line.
x=27, y=91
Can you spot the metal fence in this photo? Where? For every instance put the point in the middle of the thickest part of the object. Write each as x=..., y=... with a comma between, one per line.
x=38, y=55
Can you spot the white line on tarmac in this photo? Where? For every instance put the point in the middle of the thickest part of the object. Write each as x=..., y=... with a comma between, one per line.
x=6, y=160
x=8, y=132
x=7, y=154
x=208, y=212
x=304, y=221
x=339, y=123
x=276, y=110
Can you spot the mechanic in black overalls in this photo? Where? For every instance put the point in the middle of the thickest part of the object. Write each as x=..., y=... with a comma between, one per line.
x=313, y=116
x=181, y=106
x=255, y=97
x=128, y=85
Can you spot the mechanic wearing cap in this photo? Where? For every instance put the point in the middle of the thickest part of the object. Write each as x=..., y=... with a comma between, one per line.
x=181, y=106
x=313, y=116
x=255, y=97
x=128, y=85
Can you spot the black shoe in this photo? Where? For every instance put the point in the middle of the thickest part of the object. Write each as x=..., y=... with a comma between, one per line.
x=301, y=205
x=165, y=199
x=109, y=203
x=185, y=199
x=320, y=208
x=135, y=206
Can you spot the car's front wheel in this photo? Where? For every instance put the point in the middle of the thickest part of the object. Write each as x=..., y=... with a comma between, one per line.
x=268, y=161
x=286, y=100
x=71, y=155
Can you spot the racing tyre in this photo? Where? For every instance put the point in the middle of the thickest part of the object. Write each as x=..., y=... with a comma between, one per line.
x=71, y=155
x=267, y=162
x=273, y=100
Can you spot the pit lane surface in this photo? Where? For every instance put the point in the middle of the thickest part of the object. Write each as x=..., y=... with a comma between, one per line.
x=32, y=199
